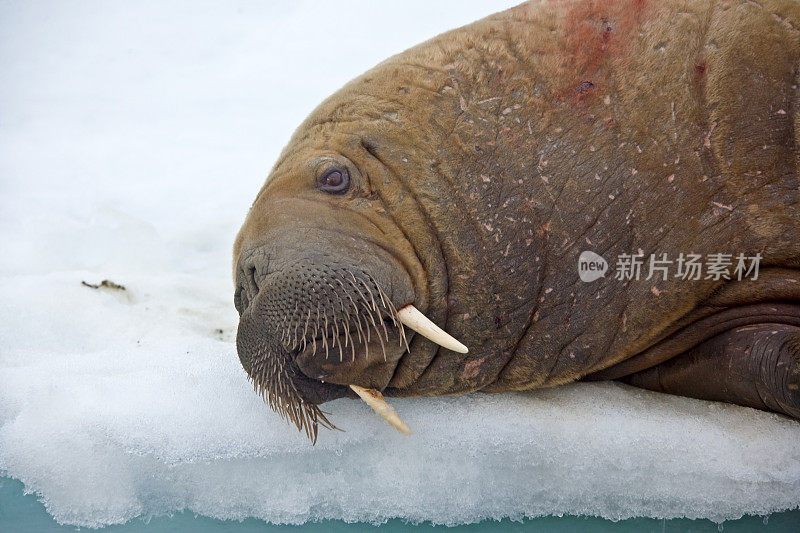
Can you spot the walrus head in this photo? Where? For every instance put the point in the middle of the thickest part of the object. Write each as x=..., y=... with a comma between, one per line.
x=331, y=249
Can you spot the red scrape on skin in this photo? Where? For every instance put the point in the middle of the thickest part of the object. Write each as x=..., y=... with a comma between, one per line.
x=595, y=32
x=472, y=368
x=699, y=71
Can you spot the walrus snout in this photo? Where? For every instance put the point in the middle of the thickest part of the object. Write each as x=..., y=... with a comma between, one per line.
x=315, y=327
x=332, y=316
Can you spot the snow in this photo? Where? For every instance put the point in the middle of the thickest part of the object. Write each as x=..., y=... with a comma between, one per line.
x=133, y=137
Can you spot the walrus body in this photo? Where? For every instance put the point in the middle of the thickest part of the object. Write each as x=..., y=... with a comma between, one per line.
x=480, y=164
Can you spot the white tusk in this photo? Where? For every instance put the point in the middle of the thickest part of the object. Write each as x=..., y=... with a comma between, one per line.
x=374, y=399
x=414, y=319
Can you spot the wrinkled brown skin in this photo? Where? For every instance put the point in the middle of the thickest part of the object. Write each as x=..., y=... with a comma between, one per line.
x=486, y=159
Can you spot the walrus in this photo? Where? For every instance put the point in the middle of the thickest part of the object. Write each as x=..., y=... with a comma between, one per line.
x=422, y=232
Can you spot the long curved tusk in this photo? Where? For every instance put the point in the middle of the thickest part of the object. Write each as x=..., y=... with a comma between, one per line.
x=374, y=399
x=414, y=319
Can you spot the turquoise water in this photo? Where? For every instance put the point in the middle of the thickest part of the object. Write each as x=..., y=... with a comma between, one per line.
x=22, y=513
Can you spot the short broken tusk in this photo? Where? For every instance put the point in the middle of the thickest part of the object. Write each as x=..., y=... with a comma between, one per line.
x=374, y=399
x=414, y=319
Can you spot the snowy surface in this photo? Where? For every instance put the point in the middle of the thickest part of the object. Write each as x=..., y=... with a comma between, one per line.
x=133, y=137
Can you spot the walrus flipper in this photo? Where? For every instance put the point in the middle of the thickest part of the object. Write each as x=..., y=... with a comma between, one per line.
x=755, y=366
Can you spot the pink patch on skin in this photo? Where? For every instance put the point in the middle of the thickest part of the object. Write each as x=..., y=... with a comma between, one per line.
x=472, y=368
x=655, y=291
x=596, y=31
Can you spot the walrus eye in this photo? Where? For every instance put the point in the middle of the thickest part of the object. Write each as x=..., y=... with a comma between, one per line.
x=335, y=180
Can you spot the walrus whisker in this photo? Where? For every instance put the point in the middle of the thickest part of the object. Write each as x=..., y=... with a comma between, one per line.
x=375, y=400
x=366, y=347
x=411, y=317
x=347, y=293
x=380, y=339
x=354, y=284
x=357, y=331
x=345, y=331
x=272, y=383
x=305, y=327
x=325, y=335
x=361, y=313
x=371, y=296
x=316, y=330
x=293, y=336
x=364, y=300
x=377, y=331
x=362, y=337
x=344, y=289
x=377, y=312
x=335, y=331
x=393, y=314
x=338, y=338
x=383, y=326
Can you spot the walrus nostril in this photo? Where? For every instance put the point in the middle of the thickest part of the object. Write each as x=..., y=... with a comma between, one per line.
x=247, y=286
x=252, y=279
